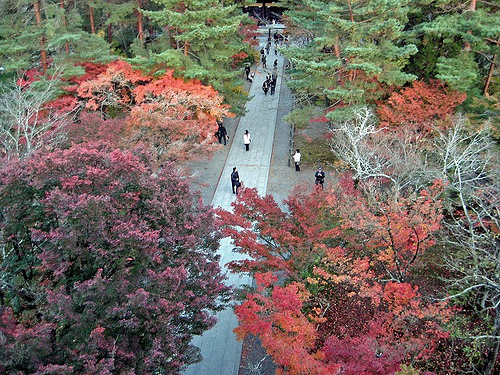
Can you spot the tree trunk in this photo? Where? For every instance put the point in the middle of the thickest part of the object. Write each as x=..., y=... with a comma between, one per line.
x=186, y=48
x=336, y=48
x=65, y=23
x=92, y=24
x=110, y=34
x=351, y=16
x=140, y=27
x=490, y=72
x=43, y=51
x=472, y=8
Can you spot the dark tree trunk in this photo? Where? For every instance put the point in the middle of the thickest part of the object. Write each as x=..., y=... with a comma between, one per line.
x=140, y=26
x=43, y=51
x=92, y=24
x=65, y=22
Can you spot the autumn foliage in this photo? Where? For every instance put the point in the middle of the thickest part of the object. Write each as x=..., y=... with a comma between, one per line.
x=107, y=268
x=173, y=116
x=421, y=106
x=337, y=287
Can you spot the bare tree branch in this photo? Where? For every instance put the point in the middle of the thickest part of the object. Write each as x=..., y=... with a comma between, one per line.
x=27, y=122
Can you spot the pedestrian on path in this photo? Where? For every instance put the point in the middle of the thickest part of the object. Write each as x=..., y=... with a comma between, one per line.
x=246, y=140
x=296, y=159
x=320, y=178
x=222, y=133
x=264, y=62
x=235, y=180
x=265, y=86
x=272, y=85
x=247, y=71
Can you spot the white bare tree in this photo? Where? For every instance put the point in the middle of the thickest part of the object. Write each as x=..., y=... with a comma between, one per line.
x=467, y=162
x=378, y=154
x=469, y=165
x=27, y=122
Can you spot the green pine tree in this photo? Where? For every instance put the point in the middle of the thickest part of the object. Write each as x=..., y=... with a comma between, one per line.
x=60, y=29
x=200, y=38
x=464, y=37
x=350, y=49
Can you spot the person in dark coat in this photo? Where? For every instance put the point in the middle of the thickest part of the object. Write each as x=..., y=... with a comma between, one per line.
x=272, y=85
x=222, y=133
x=320, y=177
x=247, y=71
x=235, y=180
x=265, y=86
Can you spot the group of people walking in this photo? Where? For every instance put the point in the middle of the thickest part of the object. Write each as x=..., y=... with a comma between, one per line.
x=222, y=136
x=270, y=83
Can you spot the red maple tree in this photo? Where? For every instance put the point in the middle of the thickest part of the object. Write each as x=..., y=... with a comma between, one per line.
x=421, y=106
x=323, y=303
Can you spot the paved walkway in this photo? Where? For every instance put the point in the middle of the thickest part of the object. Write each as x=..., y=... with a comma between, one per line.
x=220, y=350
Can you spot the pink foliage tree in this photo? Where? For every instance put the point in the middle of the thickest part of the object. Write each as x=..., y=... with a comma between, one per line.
x=108, y=267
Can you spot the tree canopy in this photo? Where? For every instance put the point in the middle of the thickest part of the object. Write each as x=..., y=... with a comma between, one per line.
x=108, y=266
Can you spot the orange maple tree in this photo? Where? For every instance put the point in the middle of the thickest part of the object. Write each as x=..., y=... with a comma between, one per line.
x=421, y=106
x=323, y=301
x=396, y=230
x=175, y=117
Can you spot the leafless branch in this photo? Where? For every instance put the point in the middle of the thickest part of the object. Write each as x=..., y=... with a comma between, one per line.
x=27, y=123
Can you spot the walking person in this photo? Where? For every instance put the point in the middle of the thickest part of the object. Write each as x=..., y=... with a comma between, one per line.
x=265, y=87
x=320, y=177
x=272, y=85
x=296, y=159
x=247, y=71
x=222, y=133
x=235, y=180
x=264, y=62
x=246, y=140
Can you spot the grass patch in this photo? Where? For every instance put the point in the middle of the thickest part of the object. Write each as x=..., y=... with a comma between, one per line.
x=314, y=151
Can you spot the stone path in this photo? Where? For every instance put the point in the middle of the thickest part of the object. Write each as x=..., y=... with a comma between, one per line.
x=220, y=350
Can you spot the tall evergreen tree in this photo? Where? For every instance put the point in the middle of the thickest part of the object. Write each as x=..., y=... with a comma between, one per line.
x=202, y=36
x=464, y=35
x=351, y=48
x=34, y=33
